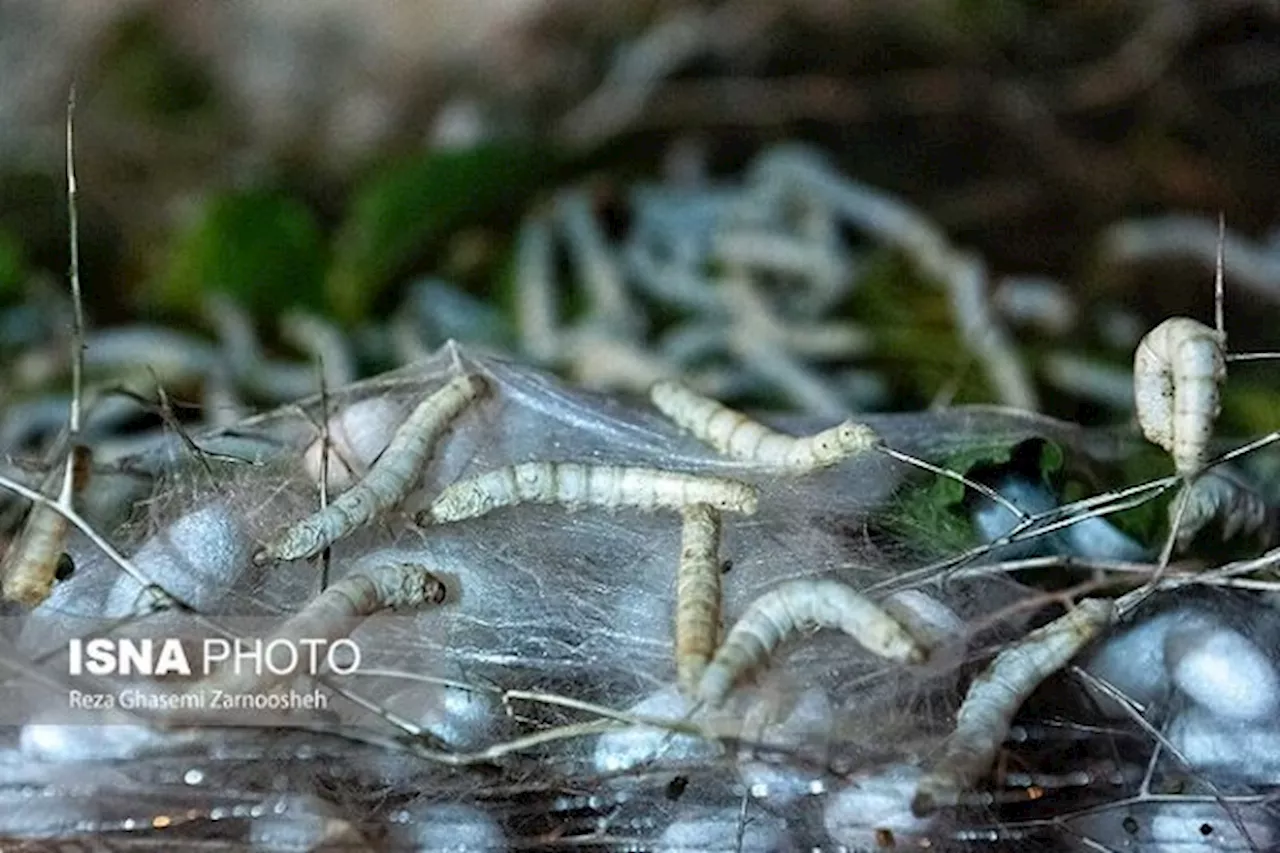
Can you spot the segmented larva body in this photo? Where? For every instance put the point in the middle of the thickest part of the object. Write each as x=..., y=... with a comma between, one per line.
x=790, y=608
x=1217, y=494
x=697, y=594
x=30, y=566
x=574, y=485
x=389, y=480
x=735, y=435
x=338, y=611
x=1177, y=370
x=995, y=696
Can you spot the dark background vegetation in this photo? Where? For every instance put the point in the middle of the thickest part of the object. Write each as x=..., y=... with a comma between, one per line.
x=324, y=153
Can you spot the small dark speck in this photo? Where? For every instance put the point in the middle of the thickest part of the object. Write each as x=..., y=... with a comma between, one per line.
x=726, y=566
x=676, y=787
x=66, y=567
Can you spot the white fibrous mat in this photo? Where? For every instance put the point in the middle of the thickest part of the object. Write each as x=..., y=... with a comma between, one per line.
x=504, y=717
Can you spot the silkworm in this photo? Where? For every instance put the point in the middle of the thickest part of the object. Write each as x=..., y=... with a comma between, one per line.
x=36, y=559
x=1218, y=494
x=320, y=339
x=336, y=612
x=597, y=267
x=536, y=292
x=1177, y=370
x=389, y=480
x=995, y=696
x=788, y=609
x=574, y=485
x=735, y=435
x=697, y=594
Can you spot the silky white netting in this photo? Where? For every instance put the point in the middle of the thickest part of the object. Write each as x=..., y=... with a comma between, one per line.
x=546, y=608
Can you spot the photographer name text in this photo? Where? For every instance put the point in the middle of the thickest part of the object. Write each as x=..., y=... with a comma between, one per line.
x=211, y=699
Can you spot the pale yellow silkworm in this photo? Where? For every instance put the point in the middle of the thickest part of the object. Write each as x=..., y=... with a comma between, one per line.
x=574, y=485
x=735, y=435
x=788, y=609
x=389, y=480
x=1177, y=370
x=995, y=696
x=335, y=613
x=697, y=594
x=36, y=558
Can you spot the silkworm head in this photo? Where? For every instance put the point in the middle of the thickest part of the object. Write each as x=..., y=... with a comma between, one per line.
x=852, y=436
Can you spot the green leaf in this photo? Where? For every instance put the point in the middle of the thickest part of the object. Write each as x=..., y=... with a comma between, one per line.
x=260, y=247
x=13, y=264
x=947, y=492
x=405, y=211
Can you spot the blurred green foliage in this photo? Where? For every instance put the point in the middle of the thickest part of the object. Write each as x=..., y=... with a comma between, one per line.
x=408, y=208
x=260, y=247
x=146, y=75
x=917, y=345
x=1045, y=457
x=13, y=264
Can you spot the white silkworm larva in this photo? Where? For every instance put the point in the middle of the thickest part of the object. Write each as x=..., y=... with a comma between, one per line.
x=574, y=485
x=1218, y=494
x=697, y=594
x=789, y=608
x=389, y=480
x=995, y=696
x=734, y=434
x=336, y=612
x=1177, y=370
x=36, y=559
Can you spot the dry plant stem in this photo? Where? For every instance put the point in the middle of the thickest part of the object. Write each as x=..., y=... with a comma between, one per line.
x=1254, y=266
x=574, y=484
x=1135, y=713
x=324, y=342
x=88, y=530
x=162, y=597
x=697, y=594
x=30, y=566
x=1068, y=514
x=737, y=436
x=788, y=609
x=77, y=302
x=995, y=696
x=389, y=480
x=337, y=611
x=325, y=445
